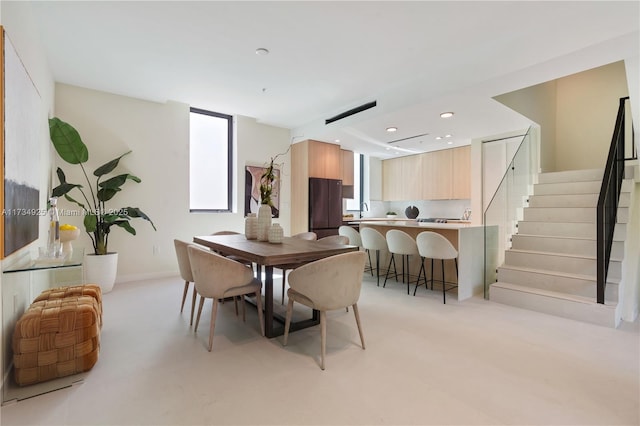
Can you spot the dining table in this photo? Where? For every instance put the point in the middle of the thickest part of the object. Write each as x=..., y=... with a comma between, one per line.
x=291, y=251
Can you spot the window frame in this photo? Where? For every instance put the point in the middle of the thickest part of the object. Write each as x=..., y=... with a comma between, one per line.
x=230, y=171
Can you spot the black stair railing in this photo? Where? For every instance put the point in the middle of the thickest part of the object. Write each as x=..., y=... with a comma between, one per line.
x=608, y=200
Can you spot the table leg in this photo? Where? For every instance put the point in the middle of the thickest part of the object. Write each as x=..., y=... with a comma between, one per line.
x=268, y=302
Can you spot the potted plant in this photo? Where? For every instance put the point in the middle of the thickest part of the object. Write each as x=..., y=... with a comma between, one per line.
x=98, y=219
x=391, y=214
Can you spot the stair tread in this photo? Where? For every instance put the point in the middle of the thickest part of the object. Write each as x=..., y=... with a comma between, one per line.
x=560, y=237
x=585, y=277
x=551, y=293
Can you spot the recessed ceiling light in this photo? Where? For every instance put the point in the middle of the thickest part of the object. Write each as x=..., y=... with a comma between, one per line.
x=446, y=114
x=262, y=51
x=447, y=136
x=338, y=140
x=391, y=129
x=449, y=143
x=438, y=138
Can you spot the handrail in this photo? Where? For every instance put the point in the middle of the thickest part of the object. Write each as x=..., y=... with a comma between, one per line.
x=608, y=200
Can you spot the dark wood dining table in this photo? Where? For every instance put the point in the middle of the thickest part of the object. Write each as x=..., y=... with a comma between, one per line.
x=268, y=255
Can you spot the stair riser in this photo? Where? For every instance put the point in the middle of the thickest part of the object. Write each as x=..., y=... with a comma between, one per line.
x=560, y=214
x=575, y=230
x=577, y=247
x=560, y=283
x=564, y=200
x=554, y=262
x=591, y=313
x=571, y=176
x=554, y=245
x=567, y=188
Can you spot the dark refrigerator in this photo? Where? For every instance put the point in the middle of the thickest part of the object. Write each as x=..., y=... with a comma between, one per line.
x=325, y=206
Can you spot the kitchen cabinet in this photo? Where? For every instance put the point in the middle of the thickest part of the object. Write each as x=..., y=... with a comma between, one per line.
x=392, y=179
x=437, y=169
x=310, y=159
x=324, y=159
x=461, y=179
x=401, y=178
x=346, y=164
x=436, y=175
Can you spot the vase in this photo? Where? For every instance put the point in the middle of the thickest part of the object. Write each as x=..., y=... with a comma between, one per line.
x=101, y=270
x=251, y=226
x=276, y=233
x=264, y=222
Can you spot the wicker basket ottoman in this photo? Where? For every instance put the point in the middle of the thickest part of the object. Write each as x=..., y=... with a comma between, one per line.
x=56, y=338
x=92, y=290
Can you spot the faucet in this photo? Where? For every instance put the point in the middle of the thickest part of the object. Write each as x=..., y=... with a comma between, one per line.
x=366, y=208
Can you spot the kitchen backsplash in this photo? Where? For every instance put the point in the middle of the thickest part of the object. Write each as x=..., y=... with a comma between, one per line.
x=450, y=209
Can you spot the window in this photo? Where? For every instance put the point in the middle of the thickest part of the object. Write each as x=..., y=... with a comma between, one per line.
x=210, y=167
x=355, y=202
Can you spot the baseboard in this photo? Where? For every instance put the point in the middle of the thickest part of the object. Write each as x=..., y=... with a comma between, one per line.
x=122, y=279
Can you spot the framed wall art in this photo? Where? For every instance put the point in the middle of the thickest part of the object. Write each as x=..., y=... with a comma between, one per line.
x=23, y=127
x=252, y=190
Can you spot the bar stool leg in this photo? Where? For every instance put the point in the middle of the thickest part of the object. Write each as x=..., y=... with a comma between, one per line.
x=444, y=295
x=392, y=260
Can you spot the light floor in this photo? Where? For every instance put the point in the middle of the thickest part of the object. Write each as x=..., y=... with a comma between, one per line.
x=463, y=363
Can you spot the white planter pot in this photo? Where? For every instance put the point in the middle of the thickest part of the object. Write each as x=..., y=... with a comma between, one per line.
x=101, y=270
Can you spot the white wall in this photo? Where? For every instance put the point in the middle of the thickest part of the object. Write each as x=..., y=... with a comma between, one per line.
x=587, y=104
x=576, y=114
x=158, y=135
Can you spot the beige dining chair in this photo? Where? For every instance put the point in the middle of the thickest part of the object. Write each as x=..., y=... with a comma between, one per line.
x=335, y=239
x=217, y=277
x=435, y=246
x=184, y=265
x=310, y=236
x=325, y=285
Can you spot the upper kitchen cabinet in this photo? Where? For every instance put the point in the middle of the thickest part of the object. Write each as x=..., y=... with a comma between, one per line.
x=437, y=169
x=437, y=175
x=401, y=178
x=324, y=159
x=461, y=180
x=346, y=167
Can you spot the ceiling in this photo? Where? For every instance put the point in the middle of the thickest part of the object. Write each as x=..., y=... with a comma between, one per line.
x=415, y=59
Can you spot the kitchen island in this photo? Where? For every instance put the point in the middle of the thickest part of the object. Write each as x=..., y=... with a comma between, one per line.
x=468, y=239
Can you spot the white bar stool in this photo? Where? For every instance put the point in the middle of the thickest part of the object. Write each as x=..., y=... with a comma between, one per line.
x=399, y=242
x=373, y=240
x=434, y=246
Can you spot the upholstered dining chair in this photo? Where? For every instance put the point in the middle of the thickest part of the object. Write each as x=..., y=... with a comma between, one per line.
x=184, y=265
x=337, y=239
x=325, y=285
x=434, y=246
x=310, y=236
x=217, y=277
x=352, y=234
x=402, y=244
x=373, y=240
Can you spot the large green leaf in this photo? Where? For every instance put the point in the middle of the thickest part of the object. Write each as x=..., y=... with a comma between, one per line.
x=136, y=212
x=90, y=222
x=118, y=181
x=105, y=194
x=108, y=167
x=67, y=142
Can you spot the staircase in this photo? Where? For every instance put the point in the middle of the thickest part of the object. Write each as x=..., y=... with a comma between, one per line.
x=551, y=265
